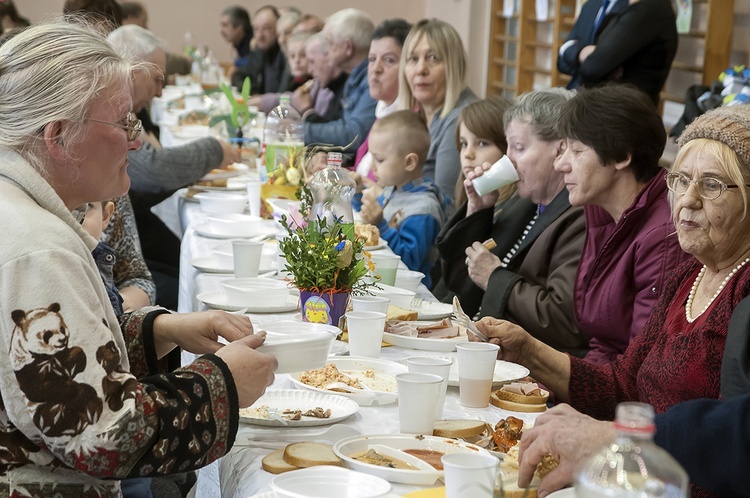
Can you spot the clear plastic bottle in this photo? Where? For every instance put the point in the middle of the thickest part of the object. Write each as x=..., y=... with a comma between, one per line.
x=283, y=138
x=332, y=190
x=632, y=466
x=188, y=47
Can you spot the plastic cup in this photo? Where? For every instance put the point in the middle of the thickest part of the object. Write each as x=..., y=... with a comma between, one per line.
x=500, y=174
x=246, y=257
x=386, y=265
x=365, y=332
x=370, y=303
x=469, y=475
x=418, y=395
x=436, y=366
x=476, y=368
x=253, y=197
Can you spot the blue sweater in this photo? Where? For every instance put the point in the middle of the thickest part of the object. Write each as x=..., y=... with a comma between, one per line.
x=358, y=115
x=412, y=218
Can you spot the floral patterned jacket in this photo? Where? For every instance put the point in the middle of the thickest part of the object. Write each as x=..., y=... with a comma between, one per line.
x=82, y=402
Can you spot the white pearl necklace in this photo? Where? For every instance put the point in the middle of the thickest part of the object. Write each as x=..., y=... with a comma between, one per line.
x=689, y=304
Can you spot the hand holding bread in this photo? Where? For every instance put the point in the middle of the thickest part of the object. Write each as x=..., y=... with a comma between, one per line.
x=559, y=433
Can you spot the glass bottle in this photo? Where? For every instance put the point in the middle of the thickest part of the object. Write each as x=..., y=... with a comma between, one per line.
x=332, y=190
x=283, y=139
x=632, y=466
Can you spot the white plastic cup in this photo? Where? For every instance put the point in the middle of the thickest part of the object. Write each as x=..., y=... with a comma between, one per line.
x=386, y=265
x=246, y=257
x=476, y=368
x=436, y=366
x=418, y=395
x=253, y=197
x=365, y=332
x=370, y=303
x=500, y=174
x=470, y=475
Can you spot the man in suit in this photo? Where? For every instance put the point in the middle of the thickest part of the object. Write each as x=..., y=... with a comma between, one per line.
x=631, y=41
x=582, y=36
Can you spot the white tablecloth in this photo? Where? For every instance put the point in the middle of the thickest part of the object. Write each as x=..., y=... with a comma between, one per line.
x=239, y=473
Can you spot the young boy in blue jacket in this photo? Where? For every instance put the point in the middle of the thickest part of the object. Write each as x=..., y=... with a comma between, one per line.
x=409, y=211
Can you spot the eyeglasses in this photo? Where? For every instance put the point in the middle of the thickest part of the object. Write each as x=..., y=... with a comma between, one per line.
x=708, y=188
x=134, y=126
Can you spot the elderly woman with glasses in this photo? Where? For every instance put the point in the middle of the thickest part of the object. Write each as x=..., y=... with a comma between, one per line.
x=86, y=400
x=678, y=355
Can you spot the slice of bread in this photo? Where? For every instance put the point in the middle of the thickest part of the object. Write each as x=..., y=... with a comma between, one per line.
x=459, y=428
x=309, y=454
x=396, y=313
x=275, y=464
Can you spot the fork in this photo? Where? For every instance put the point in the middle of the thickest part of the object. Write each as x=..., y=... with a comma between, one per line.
x=463, y=319
x=346, y=387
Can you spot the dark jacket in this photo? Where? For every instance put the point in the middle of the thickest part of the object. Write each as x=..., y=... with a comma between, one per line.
x=267, y=69
x=636, y=46
x=535, y=290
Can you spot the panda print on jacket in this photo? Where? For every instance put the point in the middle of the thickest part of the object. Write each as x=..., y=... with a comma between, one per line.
x=46, y=368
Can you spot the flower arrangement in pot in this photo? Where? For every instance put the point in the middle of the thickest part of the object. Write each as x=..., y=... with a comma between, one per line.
x=326, y=264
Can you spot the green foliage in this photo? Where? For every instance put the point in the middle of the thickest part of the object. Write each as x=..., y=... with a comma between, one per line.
x=323, y=259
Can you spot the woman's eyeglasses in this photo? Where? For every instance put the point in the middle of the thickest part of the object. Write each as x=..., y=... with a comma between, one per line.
x=708, y=188
x=134, y=126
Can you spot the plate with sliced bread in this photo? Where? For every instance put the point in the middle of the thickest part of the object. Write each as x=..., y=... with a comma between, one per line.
x=296, y=408
x=374, y=379
x=526, y=397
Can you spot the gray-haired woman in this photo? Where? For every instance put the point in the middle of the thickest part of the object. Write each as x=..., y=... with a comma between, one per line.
x=84, y=400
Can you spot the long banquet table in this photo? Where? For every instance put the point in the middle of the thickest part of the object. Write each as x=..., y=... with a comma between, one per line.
x=239, y=473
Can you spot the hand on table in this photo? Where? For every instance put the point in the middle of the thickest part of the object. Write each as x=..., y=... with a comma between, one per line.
x=569, y=436
x=371, y=211
x=477, y=202
x=480, y=264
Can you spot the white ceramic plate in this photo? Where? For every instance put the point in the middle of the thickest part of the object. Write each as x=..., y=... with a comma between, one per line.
x=425, y=344
x=382, y=244
x=207, y=229
x=433, y=310
x=350, y=446
x=218, y=300
x=563, y=493
x=505, y=371
x=383, y=383
x=294, y=399
x=231, y=185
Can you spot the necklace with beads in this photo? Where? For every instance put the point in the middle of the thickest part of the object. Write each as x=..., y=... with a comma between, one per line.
x=689, y=303
x=514, y=249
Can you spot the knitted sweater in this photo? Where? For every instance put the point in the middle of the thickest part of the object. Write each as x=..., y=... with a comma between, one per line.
x=663, y=366
x=74, y=417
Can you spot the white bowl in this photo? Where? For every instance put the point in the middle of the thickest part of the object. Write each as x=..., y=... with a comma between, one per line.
x=399, y=297
x=220, y=202
x=408, y=279
x=257, y=291
x=298, y=346
x=236, y=224
x=328, y=482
